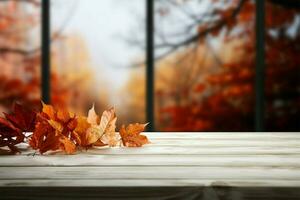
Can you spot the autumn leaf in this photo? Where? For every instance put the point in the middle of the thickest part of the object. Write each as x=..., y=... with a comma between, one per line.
x=44, y=137
x=66, y=145
x=49, y=111
x=10, y=135
x=131, y=135
x=108, y=126
x=83, y=134
x=22, y=118
x=102, y=132
x=61, y=120
x=93, y=118
x=54, y=130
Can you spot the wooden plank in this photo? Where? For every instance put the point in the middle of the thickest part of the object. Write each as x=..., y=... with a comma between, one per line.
x=158, y=150
x=242, y=139
x=219, y=165
x=147, y=183
x=151, y=172
x=223, y=135
x=227, y=143
x=182, y=150
x=162, y=193
x=113, y=193
x=153, y=160
x=218, y=143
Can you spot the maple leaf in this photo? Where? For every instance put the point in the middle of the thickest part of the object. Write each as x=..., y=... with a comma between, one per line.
x=54, y=130
x=102, y=132
x=108, y=127
x=93, y=118
x=10, y=135
x=131, y=136
x=48, y=111
x=22, y=118
x=61, y=120
x=82, y=134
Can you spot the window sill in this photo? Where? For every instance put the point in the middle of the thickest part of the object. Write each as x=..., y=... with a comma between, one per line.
x=207, y=163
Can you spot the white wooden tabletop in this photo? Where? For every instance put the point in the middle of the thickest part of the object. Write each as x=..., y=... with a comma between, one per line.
x=172, y=159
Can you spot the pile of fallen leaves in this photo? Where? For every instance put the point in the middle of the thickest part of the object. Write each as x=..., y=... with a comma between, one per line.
x=60, y=130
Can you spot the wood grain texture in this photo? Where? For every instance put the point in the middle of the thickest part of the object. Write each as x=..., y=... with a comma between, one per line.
x=173, y=166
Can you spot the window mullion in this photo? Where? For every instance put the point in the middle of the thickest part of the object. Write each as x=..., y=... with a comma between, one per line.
x=260, y=66
x=45, y=51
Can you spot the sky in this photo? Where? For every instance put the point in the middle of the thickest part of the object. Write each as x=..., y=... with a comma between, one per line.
x=106, y=26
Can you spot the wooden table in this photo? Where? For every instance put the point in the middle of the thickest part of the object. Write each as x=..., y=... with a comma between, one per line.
x=174, y=166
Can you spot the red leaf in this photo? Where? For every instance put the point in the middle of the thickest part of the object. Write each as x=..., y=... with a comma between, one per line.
x=10, y=135
x=22, y=118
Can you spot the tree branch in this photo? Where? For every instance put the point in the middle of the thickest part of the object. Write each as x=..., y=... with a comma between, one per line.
x=196, y=37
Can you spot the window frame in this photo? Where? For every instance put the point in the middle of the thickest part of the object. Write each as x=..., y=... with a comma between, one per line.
x=150, y=61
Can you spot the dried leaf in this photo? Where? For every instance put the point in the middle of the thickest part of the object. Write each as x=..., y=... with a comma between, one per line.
x=67, y=145
x=103, y=132
x=22, y=118
x=10, y=135
x=43, y=137
x=110, y=136
x=131, y=136
x=93, y=118
x=108, y=127
x=49, y=111
x=54, y=130
x=84, y=134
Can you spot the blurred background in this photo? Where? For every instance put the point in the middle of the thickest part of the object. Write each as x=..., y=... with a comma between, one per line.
x=204, y=60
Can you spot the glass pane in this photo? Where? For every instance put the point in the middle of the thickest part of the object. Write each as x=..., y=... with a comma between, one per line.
x=19, y=53
x=283, y=66
x=205, y=64
x=98, y=56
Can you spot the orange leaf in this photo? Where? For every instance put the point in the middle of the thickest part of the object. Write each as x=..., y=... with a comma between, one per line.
x=83, y=134
x=131, y=136
x=48, y=110
x=54, y=131
x=67, y=145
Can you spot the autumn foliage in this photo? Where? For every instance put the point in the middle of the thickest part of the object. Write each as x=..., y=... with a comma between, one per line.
x=60, y=130
x=224, y=98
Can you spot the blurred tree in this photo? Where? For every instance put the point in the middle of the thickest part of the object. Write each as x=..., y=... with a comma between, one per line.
x=71, y=61
x=71, y=76
x=19, y=60
x=225, y=99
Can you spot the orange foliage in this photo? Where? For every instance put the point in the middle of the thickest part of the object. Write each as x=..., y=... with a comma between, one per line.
x=225, y=99
x=20, y=66
x=58, y=129
x=131, y=136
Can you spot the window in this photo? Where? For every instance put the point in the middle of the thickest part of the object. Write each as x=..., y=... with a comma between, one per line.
x=182, y=65
x=19, y=53
x=204, y=77
x=282, y=83
x=94, y=59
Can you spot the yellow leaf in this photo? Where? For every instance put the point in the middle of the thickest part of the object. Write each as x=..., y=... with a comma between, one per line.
x=93, y=118
x=108, y=127
x=110, y=136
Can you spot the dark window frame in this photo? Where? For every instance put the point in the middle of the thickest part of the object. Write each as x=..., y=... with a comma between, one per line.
x=150, y=62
